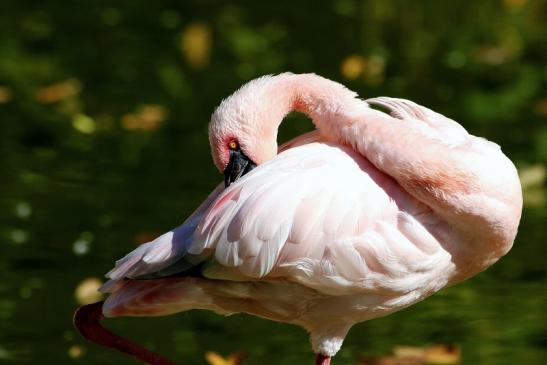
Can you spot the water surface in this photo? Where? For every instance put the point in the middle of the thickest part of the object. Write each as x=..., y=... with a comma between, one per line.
x=103, y=144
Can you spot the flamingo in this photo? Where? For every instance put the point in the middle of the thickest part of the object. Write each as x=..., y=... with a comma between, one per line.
x=381, y=206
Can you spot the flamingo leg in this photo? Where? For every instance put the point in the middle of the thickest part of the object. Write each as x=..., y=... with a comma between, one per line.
x=87, y=319
x=321, y=359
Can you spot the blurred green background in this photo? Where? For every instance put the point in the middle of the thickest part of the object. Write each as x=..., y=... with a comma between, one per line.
x=104, y=108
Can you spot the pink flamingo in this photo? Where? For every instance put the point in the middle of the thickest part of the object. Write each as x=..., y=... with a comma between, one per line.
x=368, y=214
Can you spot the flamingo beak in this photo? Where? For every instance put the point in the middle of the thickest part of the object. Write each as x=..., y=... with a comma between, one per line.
x=238, y=166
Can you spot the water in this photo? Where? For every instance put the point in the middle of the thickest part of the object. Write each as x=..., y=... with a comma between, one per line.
x=103, y=144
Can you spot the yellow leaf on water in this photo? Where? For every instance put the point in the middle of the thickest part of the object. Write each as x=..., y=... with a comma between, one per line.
x=76, y=351
x=83, y=123
x=214, y=358
x=87, y=291
x=371, y=68
x=514, y=4
x=541, y=107
x=5, y=94
x=532, y=179
x=196, y=44
x=442, y=354
x=534, y=198
x=59, y=91
x=374, y=72
x=491, y=55
x=409, y=351
x=353, y=66
x=412, y=355
x=532, y=176
x=147, y=118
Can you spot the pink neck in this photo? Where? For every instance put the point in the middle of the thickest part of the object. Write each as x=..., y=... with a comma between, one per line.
x=326, y=102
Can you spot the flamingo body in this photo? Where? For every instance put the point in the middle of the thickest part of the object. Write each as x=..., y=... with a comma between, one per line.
x=367, y=215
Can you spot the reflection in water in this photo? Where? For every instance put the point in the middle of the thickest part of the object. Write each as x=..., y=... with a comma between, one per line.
x=103, y=144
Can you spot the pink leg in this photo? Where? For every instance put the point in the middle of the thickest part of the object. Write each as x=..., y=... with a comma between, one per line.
x=321, y=359
x=87, y=320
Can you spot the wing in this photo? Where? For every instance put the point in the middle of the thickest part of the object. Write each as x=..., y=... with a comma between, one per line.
x=164, y=256
x=318, y=214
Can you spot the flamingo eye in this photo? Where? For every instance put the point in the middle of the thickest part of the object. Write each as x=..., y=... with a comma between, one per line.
x=233, y=145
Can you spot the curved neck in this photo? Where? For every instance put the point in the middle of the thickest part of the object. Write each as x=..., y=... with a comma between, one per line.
x=329, y=104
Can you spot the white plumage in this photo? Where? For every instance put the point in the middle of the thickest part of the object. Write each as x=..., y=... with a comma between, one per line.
x=365, y=216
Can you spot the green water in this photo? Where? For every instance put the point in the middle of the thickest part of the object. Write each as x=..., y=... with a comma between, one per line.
x=103, y=142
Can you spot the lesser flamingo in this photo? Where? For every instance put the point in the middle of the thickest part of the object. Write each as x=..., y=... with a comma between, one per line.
x=375, y=210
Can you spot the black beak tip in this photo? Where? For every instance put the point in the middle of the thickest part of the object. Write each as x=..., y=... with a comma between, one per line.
x=238, y=166
x=227, y=180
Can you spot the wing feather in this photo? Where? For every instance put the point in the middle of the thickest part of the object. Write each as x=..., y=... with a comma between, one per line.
x=317, y=214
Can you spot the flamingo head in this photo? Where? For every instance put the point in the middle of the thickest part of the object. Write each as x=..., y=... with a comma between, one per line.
x=243, y=129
